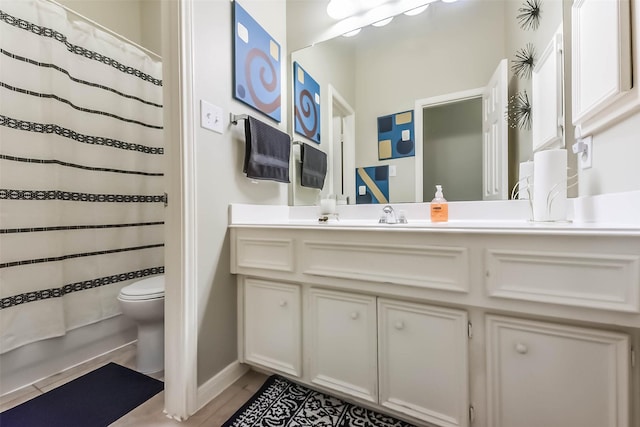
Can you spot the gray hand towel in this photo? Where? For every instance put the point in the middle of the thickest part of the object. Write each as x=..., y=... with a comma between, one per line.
x=267, y=151
x=314, y=167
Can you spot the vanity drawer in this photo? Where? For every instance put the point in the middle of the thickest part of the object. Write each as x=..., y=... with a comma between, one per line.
x=433, y=267
x=262, y=253
x=605, y=281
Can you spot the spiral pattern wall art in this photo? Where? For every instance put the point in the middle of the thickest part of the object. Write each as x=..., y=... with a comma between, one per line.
x=306, y=99
x=257, y=65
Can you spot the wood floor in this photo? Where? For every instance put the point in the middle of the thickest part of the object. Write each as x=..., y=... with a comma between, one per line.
x=149, y=413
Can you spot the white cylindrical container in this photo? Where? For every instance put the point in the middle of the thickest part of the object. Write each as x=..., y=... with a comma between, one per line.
x=550, y=185
x=328, y=206
x=525, y=180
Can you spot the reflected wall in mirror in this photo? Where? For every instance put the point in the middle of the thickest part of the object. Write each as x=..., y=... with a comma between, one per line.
x=450, y=48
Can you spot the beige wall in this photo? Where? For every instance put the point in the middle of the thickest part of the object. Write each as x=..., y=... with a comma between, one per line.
x=615, y=160
x=219, y=177
x=150, y=25
x=136, y=20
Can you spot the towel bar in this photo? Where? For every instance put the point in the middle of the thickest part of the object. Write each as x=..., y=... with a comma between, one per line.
x=234, y=118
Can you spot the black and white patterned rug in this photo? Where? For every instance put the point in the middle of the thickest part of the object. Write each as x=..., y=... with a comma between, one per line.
x=283, y=403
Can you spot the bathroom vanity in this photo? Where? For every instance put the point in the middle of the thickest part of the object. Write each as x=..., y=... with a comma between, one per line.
x=473, y=322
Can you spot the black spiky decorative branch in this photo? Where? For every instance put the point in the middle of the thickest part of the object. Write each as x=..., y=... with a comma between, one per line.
x=522, y=66
x=529, y=16
x=518, y=112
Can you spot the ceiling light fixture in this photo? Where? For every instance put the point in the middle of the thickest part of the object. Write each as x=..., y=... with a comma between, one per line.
x=352, y=33
x=356, y=14
x=383, y=22
x=417, y=11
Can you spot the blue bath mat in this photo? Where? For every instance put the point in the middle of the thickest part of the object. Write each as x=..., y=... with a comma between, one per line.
x=93, y=400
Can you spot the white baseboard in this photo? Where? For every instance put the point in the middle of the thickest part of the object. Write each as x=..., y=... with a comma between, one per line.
x=216, y=385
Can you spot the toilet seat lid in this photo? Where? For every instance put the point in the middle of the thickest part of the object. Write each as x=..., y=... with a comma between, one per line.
x=149, y=288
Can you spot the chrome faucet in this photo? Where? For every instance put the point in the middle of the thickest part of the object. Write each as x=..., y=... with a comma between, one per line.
x=389, y=216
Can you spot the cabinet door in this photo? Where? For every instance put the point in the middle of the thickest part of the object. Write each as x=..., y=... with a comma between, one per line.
x=543, y=374
x=423, y=357
x=343, y=342
x=601, y=66
x=272, y=325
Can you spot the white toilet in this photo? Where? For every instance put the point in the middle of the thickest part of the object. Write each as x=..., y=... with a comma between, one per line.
x=143, y=302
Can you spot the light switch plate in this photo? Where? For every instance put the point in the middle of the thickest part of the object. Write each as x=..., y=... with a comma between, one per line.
x=392, y=170
x=211, y=116
x=362, y=190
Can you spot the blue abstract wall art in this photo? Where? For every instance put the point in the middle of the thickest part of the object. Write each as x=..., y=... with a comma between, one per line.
x=396, y=136
x=306, y=97
x=257, y=77
x=372, y=185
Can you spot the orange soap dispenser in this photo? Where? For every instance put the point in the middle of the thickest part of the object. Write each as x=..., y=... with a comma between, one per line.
x=439, y=207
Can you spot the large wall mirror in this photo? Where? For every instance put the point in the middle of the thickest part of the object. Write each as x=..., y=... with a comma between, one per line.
x=431, y=70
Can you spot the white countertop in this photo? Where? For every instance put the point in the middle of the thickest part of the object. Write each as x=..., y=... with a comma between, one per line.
x=617, y=214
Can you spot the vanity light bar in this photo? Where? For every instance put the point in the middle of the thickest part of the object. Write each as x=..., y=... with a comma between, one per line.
x=379, y=14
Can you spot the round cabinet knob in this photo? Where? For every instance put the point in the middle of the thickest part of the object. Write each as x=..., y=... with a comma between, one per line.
x=283, y=303
x=522, y=348
x=355, y=315
x=399, y=325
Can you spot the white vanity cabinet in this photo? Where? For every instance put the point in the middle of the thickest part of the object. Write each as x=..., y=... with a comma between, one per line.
x=384, y=316
x=544, y=374
x=272, y=325
x=423, y=361
x=343, y=342
x=415, y=354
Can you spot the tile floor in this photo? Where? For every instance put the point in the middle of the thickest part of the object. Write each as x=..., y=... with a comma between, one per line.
x=149, y=413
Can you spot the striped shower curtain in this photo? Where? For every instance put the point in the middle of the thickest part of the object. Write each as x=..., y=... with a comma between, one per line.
x=81, y=160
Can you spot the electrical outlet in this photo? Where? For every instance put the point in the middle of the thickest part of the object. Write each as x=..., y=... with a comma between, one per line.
x=211, y=116
x=585, y=160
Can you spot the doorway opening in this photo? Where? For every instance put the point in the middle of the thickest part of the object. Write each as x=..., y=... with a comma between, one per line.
x=342, y=152
x=452, y=150
x=455, y=114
